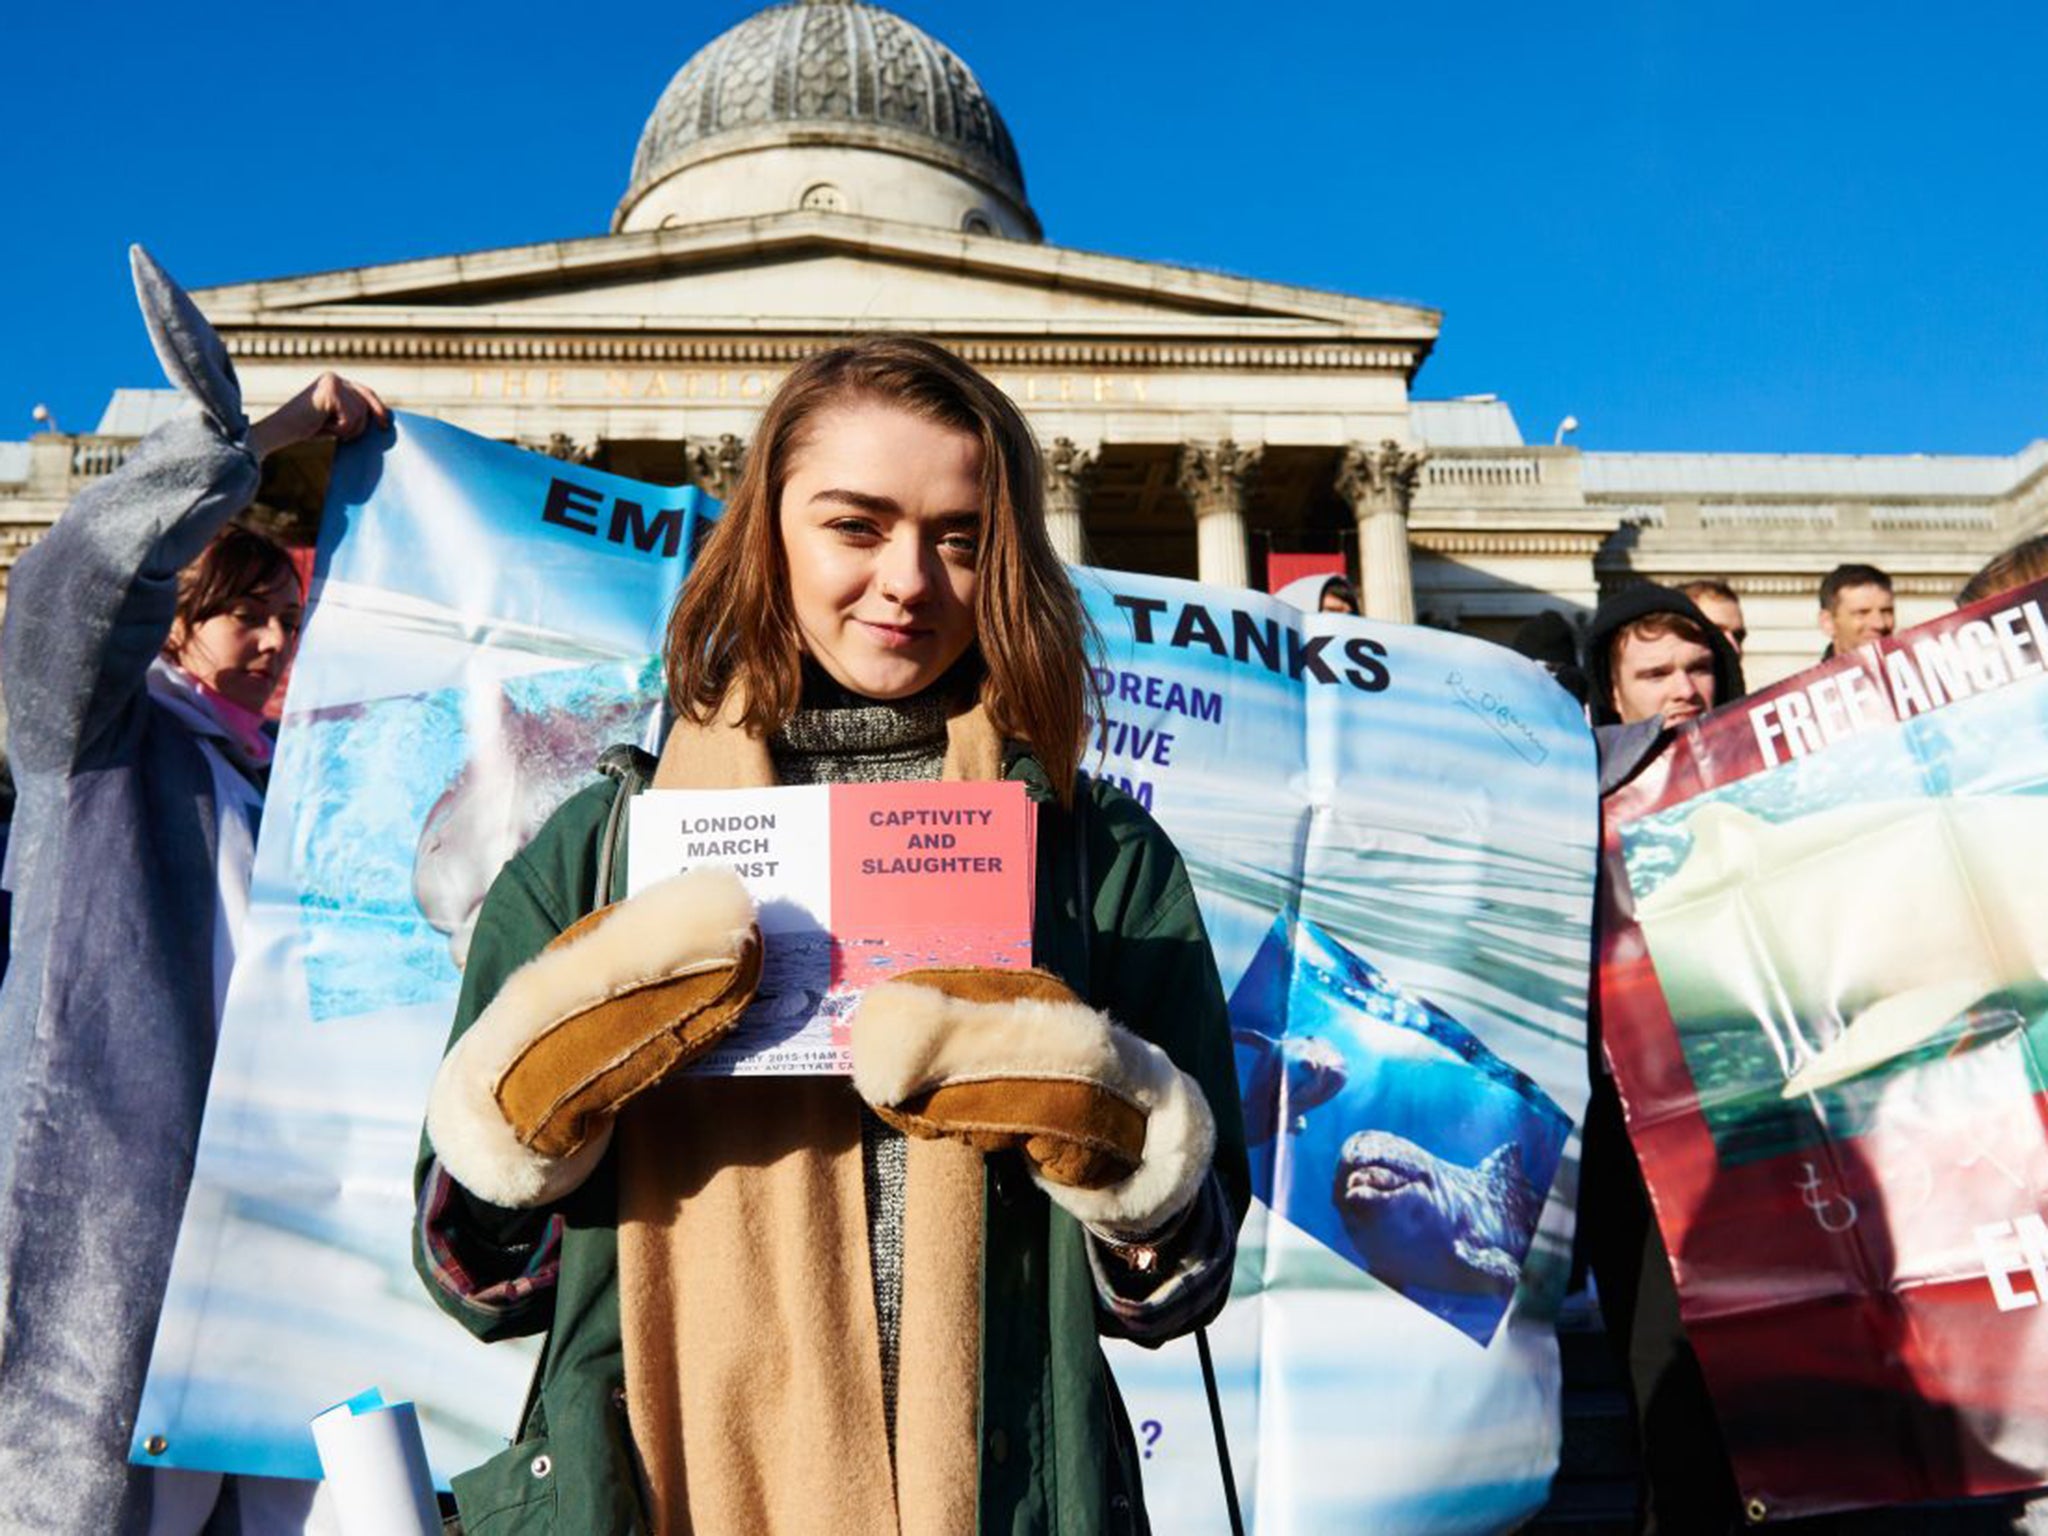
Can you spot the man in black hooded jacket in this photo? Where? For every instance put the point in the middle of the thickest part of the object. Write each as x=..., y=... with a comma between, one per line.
x=1642, y=645
x=1653, y=661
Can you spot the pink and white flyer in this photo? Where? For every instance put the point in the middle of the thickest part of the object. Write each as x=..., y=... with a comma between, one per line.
x=854, y=883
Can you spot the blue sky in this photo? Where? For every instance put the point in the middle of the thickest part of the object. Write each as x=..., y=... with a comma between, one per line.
x=1739, y=226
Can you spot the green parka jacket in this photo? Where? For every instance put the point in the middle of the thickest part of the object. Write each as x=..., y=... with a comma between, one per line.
x=1056, y=1453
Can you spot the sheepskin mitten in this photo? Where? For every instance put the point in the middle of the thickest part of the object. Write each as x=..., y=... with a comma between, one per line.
x=1111, y=1129
x=523, y=1105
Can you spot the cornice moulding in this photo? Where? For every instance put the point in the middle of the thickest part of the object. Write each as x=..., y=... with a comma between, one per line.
x=1780, y=582
x=772, y=237
x=496, y=350
x=1436, y=542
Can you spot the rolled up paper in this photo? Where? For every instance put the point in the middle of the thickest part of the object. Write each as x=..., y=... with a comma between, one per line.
x=376, y=1468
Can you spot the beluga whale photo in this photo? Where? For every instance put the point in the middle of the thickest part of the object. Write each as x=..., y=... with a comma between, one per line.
x=1425, y=1224
x=1389, y=1131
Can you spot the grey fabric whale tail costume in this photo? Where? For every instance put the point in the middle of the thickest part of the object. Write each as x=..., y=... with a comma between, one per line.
x=107, y=1015
x=188, y=348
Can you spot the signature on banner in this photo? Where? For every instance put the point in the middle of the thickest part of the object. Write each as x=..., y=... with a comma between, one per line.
x=1498, y=713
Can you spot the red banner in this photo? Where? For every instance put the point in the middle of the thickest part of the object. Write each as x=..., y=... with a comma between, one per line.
x=1284, y=566
x=1824, y=991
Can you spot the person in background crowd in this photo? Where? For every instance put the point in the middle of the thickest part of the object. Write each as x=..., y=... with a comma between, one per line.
x=1717, y=600
x=769, y=1311
x=1320, y=594
x=1548, y=639
x=1651, y=653
x=1855, y=607
x=1338, y=596
x=2023, y=563
x=143, y=636
x=1653, y=661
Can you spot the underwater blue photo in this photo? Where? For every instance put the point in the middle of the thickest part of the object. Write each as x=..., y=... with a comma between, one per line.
x=1387, y=1130
x=386, y=908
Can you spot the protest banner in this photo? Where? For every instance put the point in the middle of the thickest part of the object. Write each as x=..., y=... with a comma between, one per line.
x=1823, y=990
x=482, y=624
x=1392, y=835
x=1391, y=832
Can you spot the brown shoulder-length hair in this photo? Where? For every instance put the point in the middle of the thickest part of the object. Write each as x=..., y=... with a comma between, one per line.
x=236, y=562
x=733, y=631
x=2024, y=562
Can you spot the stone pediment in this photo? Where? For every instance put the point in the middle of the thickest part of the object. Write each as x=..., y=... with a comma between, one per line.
x=808, y=275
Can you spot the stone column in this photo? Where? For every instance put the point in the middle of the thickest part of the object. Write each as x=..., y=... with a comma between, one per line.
x=714, y=463
x=1379, y=484
x=1215, y=477
x=1069, y=472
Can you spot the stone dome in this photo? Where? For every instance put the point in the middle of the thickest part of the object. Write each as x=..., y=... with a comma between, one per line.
x=826, y=75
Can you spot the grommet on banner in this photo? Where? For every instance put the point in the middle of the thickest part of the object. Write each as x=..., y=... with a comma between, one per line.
x=156, y=1445
x=1755, y=1512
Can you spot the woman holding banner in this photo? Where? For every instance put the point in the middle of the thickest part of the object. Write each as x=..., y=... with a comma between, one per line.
x=144, y=636
x=768, y=1309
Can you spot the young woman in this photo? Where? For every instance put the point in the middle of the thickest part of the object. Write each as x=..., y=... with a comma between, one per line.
x=768, y=1310
x=143, y=638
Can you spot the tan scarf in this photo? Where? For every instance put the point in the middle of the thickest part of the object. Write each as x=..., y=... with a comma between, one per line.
x=752, y=1355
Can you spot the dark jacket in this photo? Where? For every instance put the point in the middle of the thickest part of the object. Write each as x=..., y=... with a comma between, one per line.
x=1056, y=1454
x=1622, y=609
x=1685, y=1471
x=1547, y=639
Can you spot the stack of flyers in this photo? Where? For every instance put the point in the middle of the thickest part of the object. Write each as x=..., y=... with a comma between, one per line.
x=854, y=883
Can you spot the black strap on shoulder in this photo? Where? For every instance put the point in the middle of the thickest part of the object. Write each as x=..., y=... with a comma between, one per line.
x=1222, y=1440
x=1084, y=888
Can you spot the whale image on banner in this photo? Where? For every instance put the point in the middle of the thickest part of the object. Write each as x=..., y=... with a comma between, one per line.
x=1415, y=1152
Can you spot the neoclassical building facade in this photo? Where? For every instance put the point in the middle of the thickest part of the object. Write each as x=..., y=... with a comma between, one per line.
x=826, y=169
